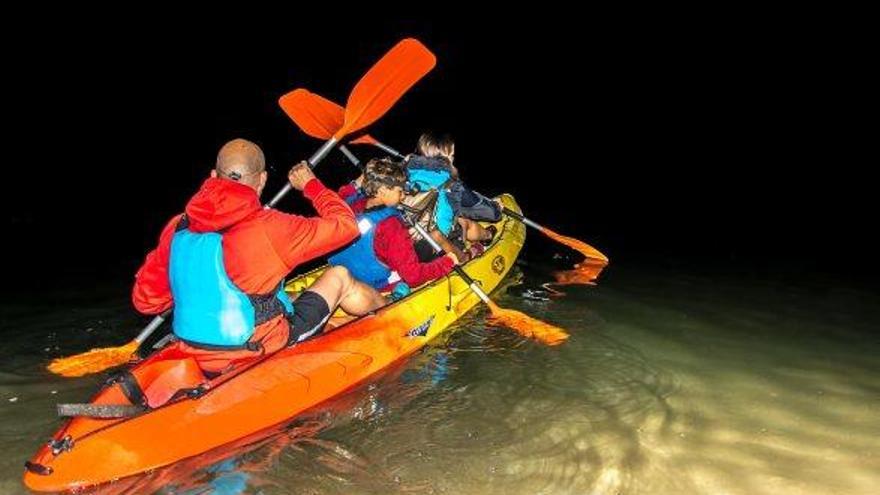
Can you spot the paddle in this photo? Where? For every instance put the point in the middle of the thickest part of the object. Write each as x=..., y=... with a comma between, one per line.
x=374, y=94
x=586, y=271
x=319, y=117
x=520, y=322
x=107, y=357
x=372, y=97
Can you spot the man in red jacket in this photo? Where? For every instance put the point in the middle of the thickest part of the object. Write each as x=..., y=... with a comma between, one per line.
x=222, y=264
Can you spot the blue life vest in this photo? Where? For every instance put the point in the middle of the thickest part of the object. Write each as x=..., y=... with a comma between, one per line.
x=360, y=256
x=439, y=180
x=209, y=310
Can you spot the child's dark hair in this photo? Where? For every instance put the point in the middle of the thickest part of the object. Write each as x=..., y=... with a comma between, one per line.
x=382, y=172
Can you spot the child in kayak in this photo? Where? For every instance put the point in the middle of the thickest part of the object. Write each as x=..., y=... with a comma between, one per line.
x=383, y=257
x=455, y=209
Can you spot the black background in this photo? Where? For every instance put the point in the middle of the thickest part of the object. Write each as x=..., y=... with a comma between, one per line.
x=715, y=144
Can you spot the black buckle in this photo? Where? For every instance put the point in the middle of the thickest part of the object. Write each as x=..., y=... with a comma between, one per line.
x=190, y=393
x=196, y=392
x=61, y=445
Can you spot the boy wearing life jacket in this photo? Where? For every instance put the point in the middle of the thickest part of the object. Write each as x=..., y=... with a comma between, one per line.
x=383, y=257
x=446, y=204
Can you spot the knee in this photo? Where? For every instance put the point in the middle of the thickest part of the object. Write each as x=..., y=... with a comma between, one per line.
x=341, y=274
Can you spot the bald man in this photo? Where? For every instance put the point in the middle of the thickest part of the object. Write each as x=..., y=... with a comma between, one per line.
x=222, y=264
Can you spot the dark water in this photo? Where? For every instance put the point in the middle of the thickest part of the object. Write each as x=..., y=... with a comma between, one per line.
x=671, y=383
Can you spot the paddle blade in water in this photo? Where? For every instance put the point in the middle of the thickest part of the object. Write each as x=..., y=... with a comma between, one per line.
x=93, y=361
x=526, y=326
x=584, y=272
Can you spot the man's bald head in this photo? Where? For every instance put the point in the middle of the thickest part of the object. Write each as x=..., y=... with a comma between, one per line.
x=242, y=161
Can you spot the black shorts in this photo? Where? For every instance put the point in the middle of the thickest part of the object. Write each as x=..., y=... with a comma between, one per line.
x=310, y=314
x=425, y=252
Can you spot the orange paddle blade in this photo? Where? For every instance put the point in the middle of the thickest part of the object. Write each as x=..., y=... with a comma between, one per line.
x=584, y=272
x=526, y=326
x=94, y=360
x=312, y=114
x=385, y=83
x=315, y=115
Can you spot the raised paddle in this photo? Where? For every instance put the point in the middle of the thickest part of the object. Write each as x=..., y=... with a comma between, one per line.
x=319, y=117
x=374, y=94
x=372, y=97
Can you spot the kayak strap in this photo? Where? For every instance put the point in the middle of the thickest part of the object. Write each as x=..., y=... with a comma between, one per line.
x=130, y=387
x=103, y=411
x=111, y=411
x=421, y=211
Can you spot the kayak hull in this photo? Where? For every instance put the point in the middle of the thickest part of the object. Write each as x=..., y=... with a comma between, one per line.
x=270, y=391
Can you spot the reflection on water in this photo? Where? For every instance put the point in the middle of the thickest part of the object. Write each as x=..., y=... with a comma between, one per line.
x=668, y=385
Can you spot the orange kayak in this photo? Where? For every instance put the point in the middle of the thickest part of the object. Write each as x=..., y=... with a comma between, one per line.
x=201, y=415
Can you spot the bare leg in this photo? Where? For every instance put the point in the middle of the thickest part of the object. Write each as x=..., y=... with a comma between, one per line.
x=473, y=231
x=339, y=288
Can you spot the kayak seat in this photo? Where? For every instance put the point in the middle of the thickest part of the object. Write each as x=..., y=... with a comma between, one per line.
x=161, y=380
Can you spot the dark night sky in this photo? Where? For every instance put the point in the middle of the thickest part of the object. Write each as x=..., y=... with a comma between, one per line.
x=726, y=145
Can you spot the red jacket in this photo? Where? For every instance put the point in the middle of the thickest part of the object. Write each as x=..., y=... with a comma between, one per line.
x=394, y=247
x=260, y=246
